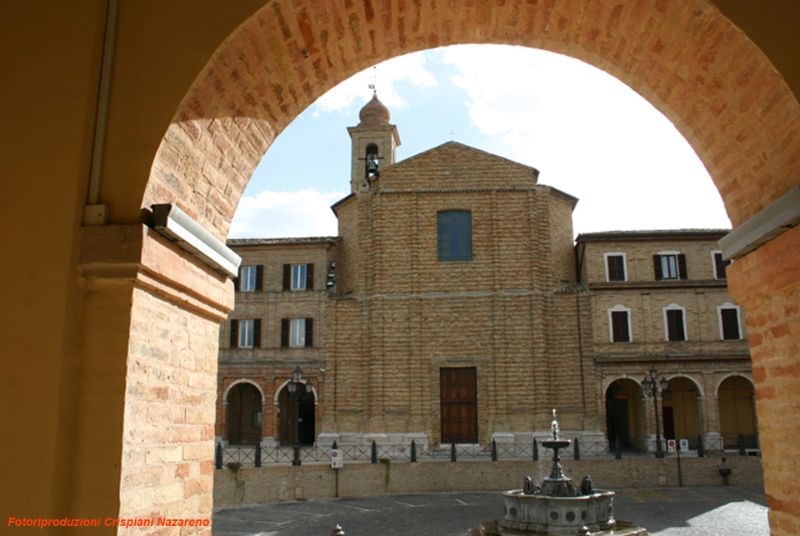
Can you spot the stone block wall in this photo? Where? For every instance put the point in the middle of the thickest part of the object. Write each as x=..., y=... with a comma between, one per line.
x=286, y=483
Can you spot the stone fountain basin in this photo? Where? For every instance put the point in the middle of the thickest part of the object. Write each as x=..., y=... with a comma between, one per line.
x=543, y=514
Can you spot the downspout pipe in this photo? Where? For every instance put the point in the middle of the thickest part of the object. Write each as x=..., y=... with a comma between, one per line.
x=94, y=212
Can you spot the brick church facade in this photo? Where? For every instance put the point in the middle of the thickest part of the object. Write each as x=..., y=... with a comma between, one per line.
x=455, y=306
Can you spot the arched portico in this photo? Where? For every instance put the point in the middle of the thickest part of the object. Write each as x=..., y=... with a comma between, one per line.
x=110, y=288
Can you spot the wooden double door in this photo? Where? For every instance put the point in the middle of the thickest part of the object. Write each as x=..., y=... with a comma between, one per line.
x=459, y=404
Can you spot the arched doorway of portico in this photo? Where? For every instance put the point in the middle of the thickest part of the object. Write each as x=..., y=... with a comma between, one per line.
x=737, y=413
x=296, y=415
x=243, y=414
x=624, y=414
x=680, y=410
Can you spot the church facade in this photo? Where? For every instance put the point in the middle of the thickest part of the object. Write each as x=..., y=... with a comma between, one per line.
x=455, y=306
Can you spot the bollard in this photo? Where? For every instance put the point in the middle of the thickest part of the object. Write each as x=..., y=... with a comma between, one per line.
x=494, y=450
x=742, y=451
x=452, y=452
x=218, y=456
x=576, y=448
x=413, y=451
x=258, y=454
x=535, y=450
x=374, y=453
x=617, y=449
x=701, y=450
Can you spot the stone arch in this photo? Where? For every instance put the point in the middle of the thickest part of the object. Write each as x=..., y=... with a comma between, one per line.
x=282, y=386
x=697, y=384
x=747, y=376
x=687, y=59
x=240, y=381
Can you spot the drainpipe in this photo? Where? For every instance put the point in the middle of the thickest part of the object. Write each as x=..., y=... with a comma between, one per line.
x=94, y=213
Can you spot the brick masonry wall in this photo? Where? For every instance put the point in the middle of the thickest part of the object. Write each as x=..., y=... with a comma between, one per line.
x=167, y=462
x=766, y=282
x=269, y=366
x=402, y=314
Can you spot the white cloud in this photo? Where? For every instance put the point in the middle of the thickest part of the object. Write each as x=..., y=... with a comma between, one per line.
x=386, y=76
x=285, y=214
x=590, y=135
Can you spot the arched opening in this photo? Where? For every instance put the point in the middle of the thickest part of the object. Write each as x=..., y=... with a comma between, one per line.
x=296, y=416
x=244, y=414
x=737, y=413
x=681, y=410
x=624, y=418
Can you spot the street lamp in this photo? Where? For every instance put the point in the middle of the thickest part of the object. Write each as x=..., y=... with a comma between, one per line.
x=655, y=389
x=294, y=391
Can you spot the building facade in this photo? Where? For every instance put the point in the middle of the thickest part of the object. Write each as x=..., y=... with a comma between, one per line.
x=454, y=306
x=659, y=299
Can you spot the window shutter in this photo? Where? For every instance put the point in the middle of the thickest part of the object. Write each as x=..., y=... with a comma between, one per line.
x=309, y=277
x=284, y=332
x=682, y=273
x=237, y=280
x=257, y=333
x=287, y=276
x=259, y=277
x=309, y=332
x=234, y=333
x=657, y=267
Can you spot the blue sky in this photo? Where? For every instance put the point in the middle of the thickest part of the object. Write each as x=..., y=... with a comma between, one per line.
x=588, y=134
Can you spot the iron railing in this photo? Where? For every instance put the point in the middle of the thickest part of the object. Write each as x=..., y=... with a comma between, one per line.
x=373, y=453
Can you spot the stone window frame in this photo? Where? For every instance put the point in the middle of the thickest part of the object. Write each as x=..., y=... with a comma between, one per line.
x=297, y=332
x=250, y=278
x=682, y=309
x=454, y=238
x=245, y=333
x=729, y=307
x=715, y=265
x=298, y=277
x=619, y=308
x=681, y=271
x=606, y=265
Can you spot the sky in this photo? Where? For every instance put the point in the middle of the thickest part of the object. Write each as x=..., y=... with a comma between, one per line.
x=587, y=133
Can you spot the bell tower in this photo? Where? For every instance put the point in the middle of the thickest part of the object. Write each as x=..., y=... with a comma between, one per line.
x=374, y=144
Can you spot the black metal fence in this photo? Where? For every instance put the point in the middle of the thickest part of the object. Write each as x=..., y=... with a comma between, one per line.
x=373, y=453
x=258, y=455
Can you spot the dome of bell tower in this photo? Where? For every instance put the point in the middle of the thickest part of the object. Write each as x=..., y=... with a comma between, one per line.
x=374, y=113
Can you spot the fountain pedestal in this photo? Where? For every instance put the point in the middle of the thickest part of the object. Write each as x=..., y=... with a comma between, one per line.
x=557, y=507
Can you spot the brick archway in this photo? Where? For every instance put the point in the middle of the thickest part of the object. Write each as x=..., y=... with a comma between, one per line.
x=685, y=58
x=688, y=60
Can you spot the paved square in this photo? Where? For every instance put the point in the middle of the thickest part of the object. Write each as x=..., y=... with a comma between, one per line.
x=696, y=511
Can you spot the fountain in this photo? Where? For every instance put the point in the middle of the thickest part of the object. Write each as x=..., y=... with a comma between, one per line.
x=557, y=507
